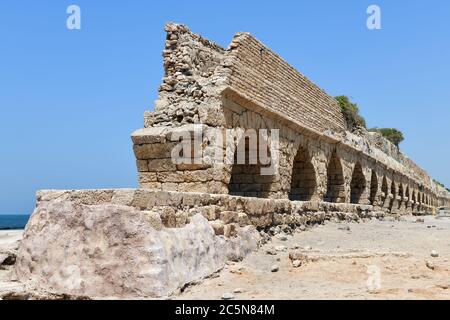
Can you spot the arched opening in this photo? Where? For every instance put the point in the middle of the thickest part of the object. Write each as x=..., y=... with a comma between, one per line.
x=358, y=184
x=373, y=187
x=246, y=178
x=413, y=199
x=303, y=180
x=400, y=193
x=394, y=195
x=335, y=178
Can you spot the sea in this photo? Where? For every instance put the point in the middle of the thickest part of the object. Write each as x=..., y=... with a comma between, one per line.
x=13, y=222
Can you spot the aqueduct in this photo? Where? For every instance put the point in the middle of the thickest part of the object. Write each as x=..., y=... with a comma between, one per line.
x=247, y=86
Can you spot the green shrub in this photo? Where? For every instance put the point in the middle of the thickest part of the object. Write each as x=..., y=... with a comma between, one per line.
x=393, y=135
x=351, y=114
x=438, y=183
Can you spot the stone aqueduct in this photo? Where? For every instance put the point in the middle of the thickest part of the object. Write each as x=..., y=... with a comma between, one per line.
x=247, y=86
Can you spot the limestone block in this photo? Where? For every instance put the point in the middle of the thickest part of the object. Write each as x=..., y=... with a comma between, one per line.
x=217, y=187
x=168, y=217
x=218, y=227
x=198, y=176
x=230, y=230
x=209, y=212
x=193, y=187
x=170, y=176
x=151, y=185
x=153, y=151
x=169, y=186
x=142, y=165
x=146, y=177
x=153, y=219
x=229, y=217
x=123, y=197
x=193, y=166
x=157, y=165
x=115, y=251
x=243, y=219
x=149, y=135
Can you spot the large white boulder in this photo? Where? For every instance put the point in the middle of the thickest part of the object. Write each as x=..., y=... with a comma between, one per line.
x=110, y=250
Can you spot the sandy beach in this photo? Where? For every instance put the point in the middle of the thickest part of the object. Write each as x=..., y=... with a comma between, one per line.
x=9, y=239
x=9, y=243
x=372, y=260
x=390, y=259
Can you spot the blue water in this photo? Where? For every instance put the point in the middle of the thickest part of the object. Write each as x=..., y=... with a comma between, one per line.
x=13, y=222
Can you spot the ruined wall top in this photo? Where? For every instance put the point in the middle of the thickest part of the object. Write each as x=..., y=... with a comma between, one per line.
x=267, y=79
x=197, y=71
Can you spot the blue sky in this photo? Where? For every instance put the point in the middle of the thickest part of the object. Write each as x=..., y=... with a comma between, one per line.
x=70, y=99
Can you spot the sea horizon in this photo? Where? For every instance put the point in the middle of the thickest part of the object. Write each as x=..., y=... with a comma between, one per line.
x=13, y=221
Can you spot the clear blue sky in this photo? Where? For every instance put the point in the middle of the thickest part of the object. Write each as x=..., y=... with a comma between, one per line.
x=70, y=99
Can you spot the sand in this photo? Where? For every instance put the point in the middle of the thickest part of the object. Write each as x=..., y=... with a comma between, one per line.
x=9, y=239
x=371, y=260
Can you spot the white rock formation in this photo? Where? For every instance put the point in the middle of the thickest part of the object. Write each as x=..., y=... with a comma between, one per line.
x=113, y=250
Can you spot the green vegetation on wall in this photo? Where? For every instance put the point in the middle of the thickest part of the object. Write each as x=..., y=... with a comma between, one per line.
x=439, y=183
x=355, y=121
x=393, y=135
x=351, y=114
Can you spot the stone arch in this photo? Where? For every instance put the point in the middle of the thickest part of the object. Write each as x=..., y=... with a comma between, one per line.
x=358, y=184
x=246, y=178
x=303, y=179
x=373, y=188
x=335, y=180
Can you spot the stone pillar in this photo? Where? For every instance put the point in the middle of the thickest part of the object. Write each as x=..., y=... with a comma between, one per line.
x=393, y=205
x=378, y=203
x=319, y=161
x=388, y=196
x=347, y=171
x=403, y=200
x=367, y=171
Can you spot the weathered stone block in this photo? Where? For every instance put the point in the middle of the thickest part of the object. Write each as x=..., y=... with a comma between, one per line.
x=153, y=151
x=157, y=165
x=229, y=217
x=149, y=135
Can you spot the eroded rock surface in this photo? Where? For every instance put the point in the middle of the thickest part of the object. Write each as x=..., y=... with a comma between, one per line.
x=113, y=250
